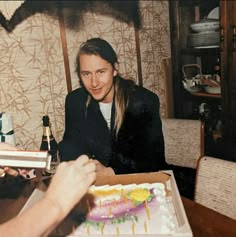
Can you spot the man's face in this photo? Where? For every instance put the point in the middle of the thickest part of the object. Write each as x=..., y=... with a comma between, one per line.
x=97, y=76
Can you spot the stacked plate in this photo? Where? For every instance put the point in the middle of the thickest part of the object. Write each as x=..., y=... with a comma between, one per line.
x=204, y=39
x=205, y=33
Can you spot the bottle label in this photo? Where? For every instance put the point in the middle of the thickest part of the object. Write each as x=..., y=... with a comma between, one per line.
x=45, y=139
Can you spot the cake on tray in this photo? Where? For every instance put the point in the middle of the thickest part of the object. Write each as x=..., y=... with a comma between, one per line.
x=134, y=209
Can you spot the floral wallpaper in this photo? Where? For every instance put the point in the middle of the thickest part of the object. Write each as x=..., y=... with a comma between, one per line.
x=32, y=78
x=32, y=71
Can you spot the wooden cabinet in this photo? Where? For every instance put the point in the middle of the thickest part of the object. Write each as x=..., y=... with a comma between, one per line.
x=228, y=64
x=186, y=105
x=182, y=15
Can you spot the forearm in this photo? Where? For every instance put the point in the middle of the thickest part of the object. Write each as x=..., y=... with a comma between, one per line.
x=37, y=221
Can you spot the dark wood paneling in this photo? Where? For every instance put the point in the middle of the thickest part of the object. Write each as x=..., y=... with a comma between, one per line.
x=65, y=50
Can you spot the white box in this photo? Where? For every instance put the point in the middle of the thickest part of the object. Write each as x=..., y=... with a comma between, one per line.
x=25, y=159
x=183, y=229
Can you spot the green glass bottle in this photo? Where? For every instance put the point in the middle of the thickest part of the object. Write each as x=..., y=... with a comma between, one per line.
x=49, y=144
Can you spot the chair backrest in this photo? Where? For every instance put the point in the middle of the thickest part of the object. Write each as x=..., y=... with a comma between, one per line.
x=184, y=141
x=216, y=185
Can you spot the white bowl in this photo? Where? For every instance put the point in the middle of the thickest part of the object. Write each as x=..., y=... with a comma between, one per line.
x=214, y=14
x=205, y=25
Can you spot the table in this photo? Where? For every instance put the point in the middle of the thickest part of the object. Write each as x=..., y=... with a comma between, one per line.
x=204, y=222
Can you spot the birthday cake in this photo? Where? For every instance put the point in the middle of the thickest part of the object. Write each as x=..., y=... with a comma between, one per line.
x=135, y=209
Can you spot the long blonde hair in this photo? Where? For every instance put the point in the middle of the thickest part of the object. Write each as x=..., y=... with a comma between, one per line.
x=123, y=89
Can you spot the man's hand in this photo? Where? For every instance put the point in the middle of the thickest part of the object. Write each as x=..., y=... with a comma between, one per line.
x=101, y=169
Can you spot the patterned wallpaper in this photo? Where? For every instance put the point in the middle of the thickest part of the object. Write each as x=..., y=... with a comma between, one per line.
x=32, y=72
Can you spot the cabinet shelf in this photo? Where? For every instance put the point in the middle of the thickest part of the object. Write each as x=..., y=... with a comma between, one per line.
x=204, y=94
x=198, y=51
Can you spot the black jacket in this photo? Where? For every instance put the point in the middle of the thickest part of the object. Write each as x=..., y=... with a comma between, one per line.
x=139, y=146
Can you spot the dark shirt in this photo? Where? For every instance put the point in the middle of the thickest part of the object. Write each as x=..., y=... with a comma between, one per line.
x=139, y=145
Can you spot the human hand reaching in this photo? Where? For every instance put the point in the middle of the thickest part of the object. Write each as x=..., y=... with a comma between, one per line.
x=70, y=183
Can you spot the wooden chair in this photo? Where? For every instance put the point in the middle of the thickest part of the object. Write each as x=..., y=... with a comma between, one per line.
x=216, y=185
x=184, y=141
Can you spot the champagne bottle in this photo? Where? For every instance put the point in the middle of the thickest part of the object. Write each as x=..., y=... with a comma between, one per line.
x=49, y=144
